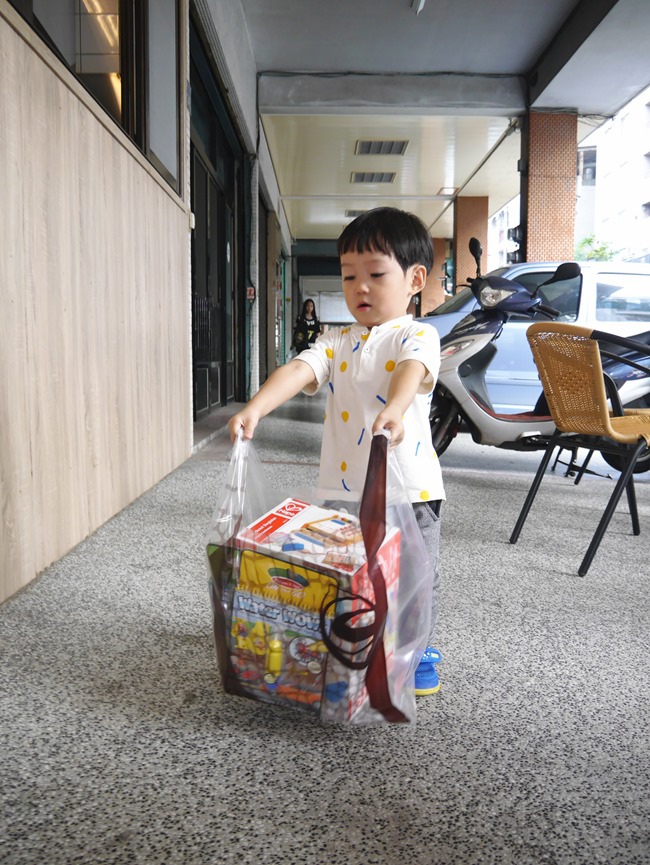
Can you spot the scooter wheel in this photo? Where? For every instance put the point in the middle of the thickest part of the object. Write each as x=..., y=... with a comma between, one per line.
x=443, y=427
x=642, y=464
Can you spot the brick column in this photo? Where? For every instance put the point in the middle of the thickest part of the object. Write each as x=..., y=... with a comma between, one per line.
x=470, y=220
x=548, y=186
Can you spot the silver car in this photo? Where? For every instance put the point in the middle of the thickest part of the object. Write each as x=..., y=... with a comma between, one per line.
x=609, y=296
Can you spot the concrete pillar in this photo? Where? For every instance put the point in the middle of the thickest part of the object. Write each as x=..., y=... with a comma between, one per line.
x=470, y=220
x=548, y=185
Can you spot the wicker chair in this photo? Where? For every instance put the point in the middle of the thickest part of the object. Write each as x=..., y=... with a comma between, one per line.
x=587, y=412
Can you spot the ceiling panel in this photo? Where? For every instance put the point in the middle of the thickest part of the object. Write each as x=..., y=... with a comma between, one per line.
x=314, y=158
x=494, y=36
x=333, y=72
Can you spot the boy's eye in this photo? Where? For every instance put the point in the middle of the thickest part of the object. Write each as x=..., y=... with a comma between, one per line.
x=348, y=278
x=376, y=275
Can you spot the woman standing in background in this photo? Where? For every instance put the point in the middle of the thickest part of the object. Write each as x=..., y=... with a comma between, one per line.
x=307, y=327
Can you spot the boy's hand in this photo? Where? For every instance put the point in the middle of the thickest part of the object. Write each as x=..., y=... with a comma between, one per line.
x=390, y=418
x=245, y=420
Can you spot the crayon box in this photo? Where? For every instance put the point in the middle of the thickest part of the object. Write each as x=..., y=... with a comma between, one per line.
x=283, y=581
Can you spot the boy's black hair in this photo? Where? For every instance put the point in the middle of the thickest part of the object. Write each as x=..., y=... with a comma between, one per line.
x=392, y=232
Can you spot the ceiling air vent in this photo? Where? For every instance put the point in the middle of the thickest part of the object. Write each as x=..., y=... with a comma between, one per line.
x=352, y=214
x=380, y=148
x=372, y=177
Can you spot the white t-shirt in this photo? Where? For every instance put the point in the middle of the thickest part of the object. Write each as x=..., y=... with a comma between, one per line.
x=356, y=365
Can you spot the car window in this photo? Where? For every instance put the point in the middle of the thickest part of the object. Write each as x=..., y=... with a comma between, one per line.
x=623, y=297
x=455, y=303
x=563, y=296
x=532, y=280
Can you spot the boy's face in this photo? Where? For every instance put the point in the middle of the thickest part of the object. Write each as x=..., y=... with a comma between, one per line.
x=375, y=287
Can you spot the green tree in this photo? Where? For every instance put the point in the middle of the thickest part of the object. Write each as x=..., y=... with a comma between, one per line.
x=591, y=249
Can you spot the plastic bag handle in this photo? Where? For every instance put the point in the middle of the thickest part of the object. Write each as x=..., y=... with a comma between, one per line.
x=372, y=516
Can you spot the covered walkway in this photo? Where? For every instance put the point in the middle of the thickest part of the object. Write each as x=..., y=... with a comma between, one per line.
x=119, y=745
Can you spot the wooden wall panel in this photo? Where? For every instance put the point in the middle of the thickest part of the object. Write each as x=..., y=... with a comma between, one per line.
x=95, y=380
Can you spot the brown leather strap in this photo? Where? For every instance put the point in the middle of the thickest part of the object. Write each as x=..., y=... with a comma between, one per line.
x=368, y=640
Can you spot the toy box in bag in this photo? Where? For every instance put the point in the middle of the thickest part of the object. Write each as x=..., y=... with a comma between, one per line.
x=313, y=606
x=288, y=576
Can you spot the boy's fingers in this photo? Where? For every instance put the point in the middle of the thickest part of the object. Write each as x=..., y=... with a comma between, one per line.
x=234, y=425
x=249, y=429
x=395, y=427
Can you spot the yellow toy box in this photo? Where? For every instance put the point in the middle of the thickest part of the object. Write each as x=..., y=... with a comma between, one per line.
x=277, y=593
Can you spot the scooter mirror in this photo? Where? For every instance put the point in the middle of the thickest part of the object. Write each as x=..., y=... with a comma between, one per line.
x=567, y=270
x=476, y=249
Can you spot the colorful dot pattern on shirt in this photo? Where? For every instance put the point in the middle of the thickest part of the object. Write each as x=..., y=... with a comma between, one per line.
x=352, y=374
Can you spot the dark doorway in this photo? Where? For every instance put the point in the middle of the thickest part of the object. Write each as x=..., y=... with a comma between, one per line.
x=218, y=338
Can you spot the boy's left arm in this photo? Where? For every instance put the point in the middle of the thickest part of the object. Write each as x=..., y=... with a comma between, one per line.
x=404, y=385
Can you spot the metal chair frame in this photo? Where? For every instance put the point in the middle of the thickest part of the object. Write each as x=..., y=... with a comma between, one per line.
x=587, y=411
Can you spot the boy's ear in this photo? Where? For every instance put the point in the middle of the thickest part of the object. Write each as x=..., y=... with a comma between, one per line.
x=418, y=278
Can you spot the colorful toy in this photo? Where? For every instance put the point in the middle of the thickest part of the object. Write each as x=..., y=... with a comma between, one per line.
x=294, y=566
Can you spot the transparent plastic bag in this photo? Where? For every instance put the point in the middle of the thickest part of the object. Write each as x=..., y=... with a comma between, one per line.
x=319, y=602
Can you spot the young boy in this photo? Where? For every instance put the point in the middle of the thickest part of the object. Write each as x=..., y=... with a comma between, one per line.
x=381, y=371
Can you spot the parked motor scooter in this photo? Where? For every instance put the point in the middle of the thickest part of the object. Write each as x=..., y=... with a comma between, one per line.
x=461, y=396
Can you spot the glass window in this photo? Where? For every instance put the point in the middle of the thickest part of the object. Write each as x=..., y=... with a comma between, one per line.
x=86, y=35
x=455, y=303
x=163, y=83
x=623, y=297
x=564, y=296
x=57, y=18
x=112, y=52
x=98, y=52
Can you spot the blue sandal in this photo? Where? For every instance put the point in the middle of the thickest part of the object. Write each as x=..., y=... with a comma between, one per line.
x=426, y=675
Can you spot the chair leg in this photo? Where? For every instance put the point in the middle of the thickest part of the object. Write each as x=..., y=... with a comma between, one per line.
x=622, y=483
x=532, y=492
x=631, y=501
x=572, y=463
x=583, y=468
x=557, y=457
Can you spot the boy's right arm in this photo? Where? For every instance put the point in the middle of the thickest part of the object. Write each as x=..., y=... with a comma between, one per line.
x=286, y=381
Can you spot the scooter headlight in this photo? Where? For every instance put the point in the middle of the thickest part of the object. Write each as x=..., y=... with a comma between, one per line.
x=450, y=350
x=490, y=297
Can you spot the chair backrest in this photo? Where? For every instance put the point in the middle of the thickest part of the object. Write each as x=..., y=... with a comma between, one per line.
x=569, y=366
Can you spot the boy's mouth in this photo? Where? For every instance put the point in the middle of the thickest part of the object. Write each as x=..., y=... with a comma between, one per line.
x=363, y=306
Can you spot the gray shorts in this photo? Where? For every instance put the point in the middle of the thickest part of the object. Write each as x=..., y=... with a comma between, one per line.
x=427, y=516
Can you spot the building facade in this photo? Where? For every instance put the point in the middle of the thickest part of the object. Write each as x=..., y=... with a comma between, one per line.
x=142, y=246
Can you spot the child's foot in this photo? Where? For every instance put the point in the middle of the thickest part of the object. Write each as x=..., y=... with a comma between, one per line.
x=426, y=676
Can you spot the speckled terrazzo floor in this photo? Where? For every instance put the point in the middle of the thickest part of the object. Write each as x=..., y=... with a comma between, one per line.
x=118, y=744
